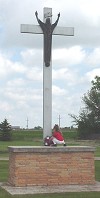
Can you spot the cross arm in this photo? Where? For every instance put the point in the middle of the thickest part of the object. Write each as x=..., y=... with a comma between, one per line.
x=65, y=31
x=36, y=29
x=33, y=29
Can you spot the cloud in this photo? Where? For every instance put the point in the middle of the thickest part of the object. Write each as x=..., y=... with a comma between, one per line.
x=65, y=75
x=35, y=74
x=5, y=106
x=91, y=75
x=8, y=67
x=92, y=14
x=73, y=55
x=17, y=82
x=32, y=57
x=57, y=91
x=93, y=59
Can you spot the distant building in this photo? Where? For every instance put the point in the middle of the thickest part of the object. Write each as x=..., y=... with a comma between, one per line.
x=15, y=127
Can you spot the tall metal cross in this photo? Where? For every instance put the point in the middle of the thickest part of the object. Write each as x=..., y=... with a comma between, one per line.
x=47, y=66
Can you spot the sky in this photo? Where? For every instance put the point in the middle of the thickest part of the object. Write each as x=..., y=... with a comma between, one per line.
x=75, y=60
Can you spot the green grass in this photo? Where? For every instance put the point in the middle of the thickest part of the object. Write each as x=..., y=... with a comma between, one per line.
x=27, y=134
x=4, y=144
x=33, y=134
x=35, y=137
x=97, y=170
x=3, y=170
x=38, y=142
x=70, y=134
x=97, y=152
x=26, y=138
x=4, y=194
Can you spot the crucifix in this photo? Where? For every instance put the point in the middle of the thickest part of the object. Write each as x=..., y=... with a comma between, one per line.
x=47, y=29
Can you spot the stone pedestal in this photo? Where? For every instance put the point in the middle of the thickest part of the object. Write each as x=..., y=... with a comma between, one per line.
x=34, y=165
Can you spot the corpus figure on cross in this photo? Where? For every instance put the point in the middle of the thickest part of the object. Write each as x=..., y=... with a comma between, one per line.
x=47, y=29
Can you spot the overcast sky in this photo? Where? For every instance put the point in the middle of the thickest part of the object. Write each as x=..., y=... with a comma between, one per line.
x=75, y=60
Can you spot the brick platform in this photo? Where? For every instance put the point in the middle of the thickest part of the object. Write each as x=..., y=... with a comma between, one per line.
x=31, y=165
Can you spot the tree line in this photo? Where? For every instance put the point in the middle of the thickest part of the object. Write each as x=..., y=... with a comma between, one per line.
x=88, y=120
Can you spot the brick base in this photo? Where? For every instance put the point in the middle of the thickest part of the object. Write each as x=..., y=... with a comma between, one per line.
x=51, y=166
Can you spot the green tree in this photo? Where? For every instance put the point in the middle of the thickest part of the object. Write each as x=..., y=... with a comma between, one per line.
x=38, y=128
x=88, y=121
x=5, y=130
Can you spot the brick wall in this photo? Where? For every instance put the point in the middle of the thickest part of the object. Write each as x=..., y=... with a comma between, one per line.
x=51, y=166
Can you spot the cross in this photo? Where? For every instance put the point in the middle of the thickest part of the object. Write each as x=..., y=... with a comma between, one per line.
x=47, y=68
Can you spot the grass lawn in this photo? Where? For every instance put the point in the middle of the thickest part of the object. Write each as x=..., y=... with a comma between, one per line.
x=4, y=145
x=97, y=152
x=33, y=138
x=4, y=194
x=3, y=171
x=37, y=142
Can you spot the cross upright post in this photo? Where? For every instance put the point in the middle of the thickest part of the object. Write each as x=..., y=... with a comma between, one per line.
x=47, y=63
x=47, y=88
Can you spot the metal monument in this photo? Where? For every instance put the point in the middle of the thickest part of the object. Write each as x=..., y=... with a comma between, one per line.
x=47, y=29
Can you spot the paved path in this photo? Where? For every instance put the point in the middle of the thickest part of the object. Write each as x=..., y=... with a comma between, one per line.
x=4, y=158
x=51, y=189
x=97, y=158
